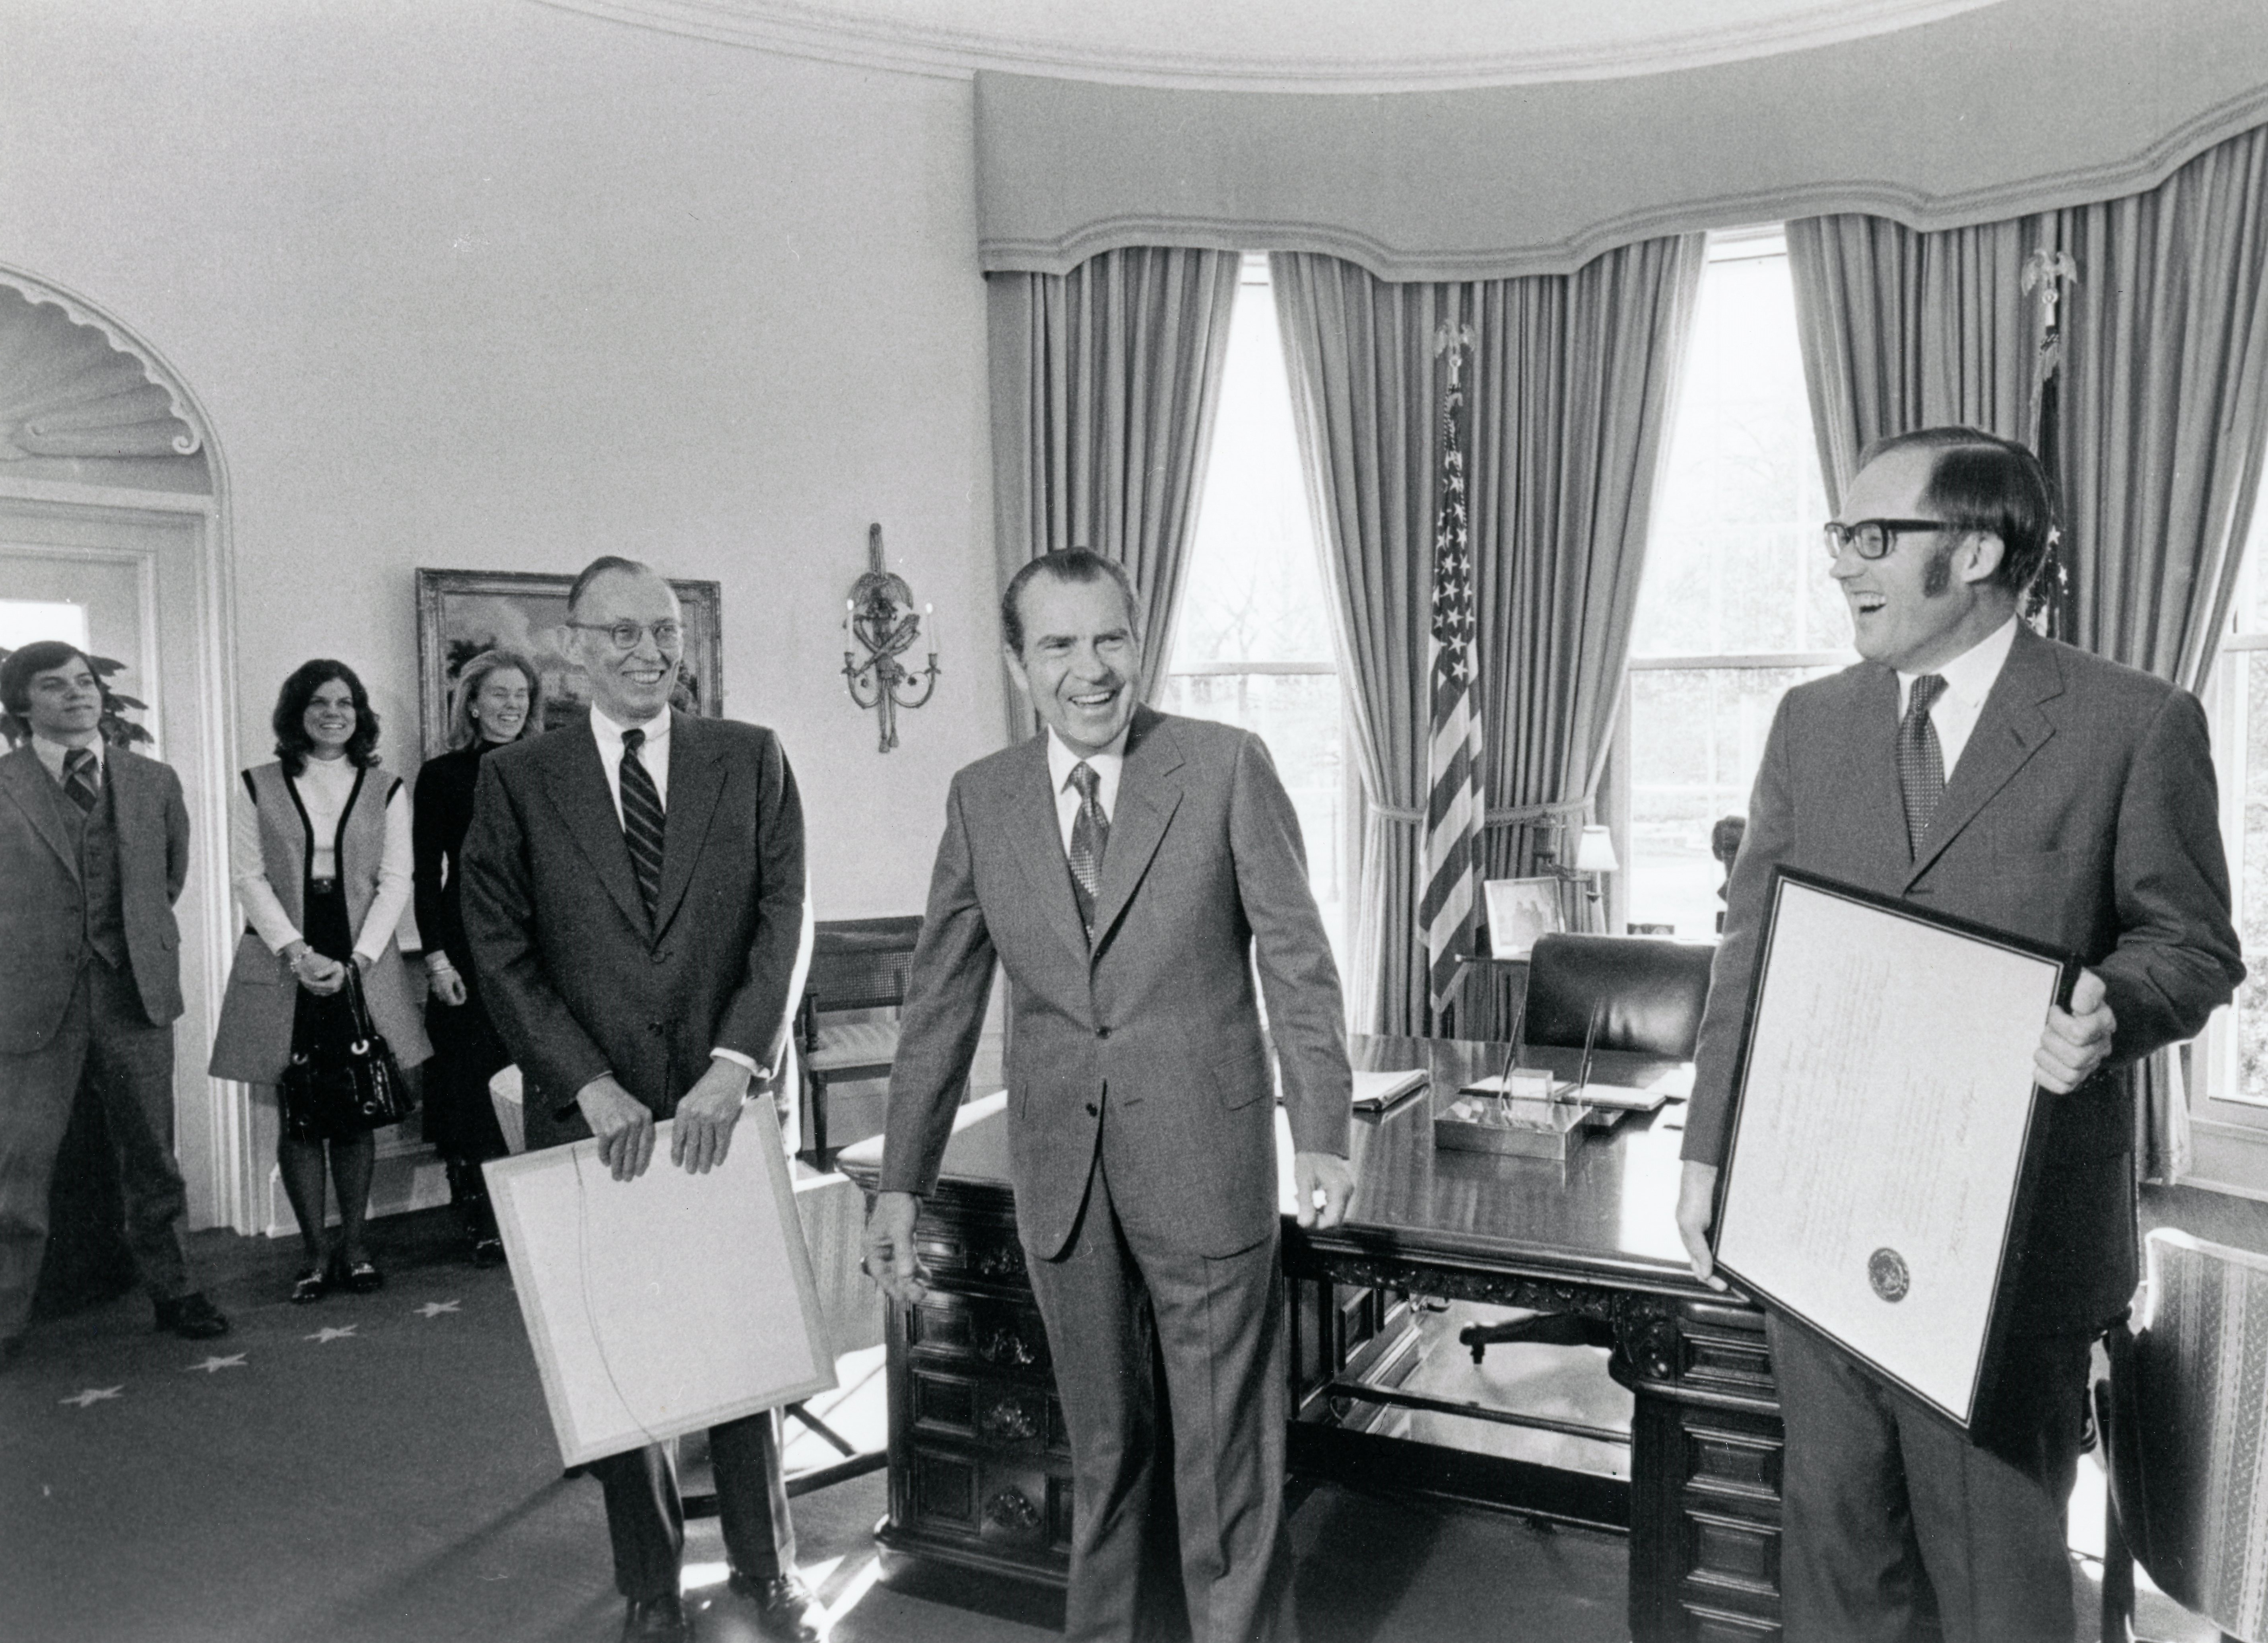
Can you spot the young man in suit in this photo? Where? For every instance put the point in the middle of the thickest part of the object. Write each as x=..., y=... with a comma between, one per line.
x=1973, y=769
x=1126, y=869
x=94, y=846
x=634, y=899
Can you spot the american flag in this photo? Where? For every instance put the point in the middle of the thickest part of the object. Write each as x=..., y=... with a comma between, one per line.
x=1454, y=805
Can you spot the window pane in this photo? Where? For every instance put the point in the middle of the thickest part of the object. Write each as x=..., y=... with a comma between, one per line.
x=1696, y=736
x=2251, y=855
x=27, y=621
x=1298, y=716
x=1253, y=589
x=1253, y=594
x=1733, y=562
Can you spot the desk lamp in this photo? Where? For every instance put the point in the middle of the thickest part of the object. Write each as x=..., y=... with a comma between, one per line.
x=1595, y=855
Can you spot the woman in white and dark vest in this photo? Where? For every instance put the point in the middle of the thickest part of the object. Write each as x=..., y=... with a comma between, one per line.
x=319, y=854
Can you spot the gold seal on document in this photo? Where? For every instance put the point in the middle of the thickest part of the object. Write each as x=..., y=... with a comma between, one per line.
x=1885, y=1271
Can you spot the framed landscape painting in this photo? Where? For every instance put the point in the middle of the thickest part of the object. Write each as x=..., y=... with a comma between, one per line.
x=463, y=613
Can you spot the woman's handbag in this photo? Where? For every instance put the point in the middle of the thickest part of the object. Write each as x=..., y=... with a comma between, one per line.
x=355, y=1078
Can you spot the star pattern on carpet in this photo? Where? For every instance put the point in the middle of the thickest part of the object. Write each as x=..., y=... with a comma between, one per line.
x=326, y=1336
x=435, y=1308
x=215, y=1364
x=88, y=1396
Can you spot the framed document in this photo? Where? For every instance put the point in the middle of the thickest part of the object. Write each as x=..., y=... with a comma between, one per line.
x=1884, y=1103
x=668, y=1303
x=1520, y=910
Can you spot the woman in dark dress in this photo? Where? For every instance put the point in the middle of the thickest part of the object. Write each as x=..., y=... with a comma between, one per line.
x=498, y=699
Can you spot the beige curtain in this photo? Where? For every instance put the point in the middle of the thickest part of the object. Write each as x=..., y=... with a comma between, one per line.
x=2164, y=404
x=1568, y=390
x=1104, y=383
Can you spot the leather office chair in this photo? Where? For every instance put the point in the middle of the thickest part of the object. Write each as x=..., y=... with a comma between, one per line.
x=1647, y=993
x=858, y=966
x=2186, y=1442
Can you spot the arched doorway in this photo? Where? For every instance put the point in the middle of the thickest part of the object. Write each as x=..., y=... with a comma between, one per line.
x=114, y=534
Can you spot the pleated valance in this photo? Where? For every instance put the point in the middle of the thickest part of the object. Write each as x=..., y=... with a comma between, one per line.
x=2012, y=107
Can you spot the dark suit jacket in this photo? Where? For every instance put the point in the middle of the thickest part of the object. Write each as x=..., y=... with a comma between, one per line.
x=441, y=816
x=2081, y=813
x=1202, y=871
x=578, y=980
x=41, y=917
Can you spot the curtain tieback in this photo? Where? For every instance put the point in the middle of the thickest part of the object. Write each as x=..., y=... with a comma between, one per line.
x=1515, y=817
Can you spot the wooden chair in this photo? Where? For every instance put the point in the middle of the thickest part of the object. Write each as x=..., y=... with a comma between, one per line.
x=2184, y=1421
x=858, y=966
x=1647, y=994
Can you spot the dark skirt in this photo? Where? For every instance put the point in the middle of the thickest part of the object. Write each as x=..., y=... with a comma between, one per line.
x=459, y=1118
x=323, y=1022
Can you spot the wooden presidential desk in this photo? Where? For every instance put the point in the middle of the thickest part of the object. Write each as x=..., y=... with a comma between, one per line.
x=980, y=1470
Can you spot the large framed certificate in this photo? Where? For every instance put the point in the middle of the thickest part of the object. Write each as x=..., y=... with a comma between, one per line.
x=665, y=1303
x=1881, y=1148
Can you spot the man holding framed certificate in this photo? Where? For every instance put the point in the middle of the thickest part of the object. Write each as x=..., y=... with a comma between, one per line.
x=1973, y=770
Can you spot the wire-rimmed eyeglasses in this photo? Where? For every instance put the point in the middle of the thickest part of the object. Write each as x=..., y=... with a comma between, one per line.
x=625, y=636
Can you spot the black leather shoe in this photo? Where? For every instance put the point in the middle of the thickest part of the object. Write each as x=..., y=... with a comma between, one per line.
x=361, y=1277
x=657, y=1620
x=488, y=1251
x=784, y=1606
x=192, y=1317
x=308, y=1288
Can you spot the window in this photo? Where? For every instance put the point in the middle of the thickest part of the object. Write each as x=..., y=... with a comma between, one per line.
x=2229, y=1095
x=25, y=620
x=1736, y=604
x=1252, y=643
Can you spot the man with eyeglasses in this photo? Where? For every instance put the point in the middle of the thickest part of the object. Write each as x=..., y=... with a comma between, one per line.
x=1975, y=768
x=634, y=899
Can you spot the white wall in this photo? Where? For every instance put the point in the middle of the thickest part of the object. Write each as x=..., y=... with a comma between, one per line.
x=485, y=284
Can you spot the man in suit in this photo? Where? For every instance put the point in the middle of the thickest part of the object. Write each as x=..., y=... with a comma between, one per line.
x=94, y=846
x=634, y=899
x=1973, y=768
x=1128, y=869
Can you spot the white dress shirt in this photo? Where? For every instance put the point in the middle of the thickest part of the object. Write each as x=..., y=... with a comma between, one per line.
x=52, y=755
x=1107, y=764
x=654, y=755
x=1968, y=681
x=324, y=788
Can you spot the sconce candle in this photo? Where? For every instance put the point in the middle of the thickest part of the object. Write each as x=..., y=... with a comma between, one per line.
x=880, y=616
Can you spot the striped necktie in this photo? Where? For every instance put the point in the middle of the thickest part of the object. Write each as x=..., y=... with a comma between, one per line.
x=81, y=780
x=1090, y=836
x=1921, y=761
x=642, y=820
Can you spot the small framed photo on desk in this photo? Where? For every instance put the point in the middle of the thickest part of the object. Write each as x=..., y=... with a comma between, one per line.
x=1519, y=911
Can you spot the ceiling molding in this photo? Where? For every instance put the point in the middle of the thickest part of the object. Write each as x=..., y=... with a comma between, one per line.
x=868, y=38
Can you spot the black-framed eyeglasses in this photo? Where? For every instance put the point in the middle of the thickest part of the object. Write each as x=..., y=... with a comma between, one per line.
x=625, y=636
x=1874, y=538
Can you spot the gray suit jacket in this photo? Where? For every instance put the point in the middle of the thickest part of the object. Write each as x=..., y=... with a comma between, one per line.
x=2083, y=813
x=1158, y=1017
x=578, y=981
x=41, y=917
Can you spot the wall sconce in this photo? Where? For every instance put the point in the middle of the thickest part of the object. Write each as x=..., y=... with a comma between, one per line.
x=880, y=616
x=1595, y=854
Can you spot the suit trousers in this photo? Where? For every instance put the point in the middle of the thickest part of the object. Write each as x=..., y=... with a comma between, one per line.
x=1889, y=1514
x=645, y=1519
x=1115, y=1302
x=106, y=1042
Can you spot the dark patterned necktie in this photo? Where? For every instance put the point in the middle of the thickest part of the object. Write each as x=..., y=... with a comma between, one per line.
x=1090, y=836
x=80, y=779
x=1921, y=761
x=642, y=820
